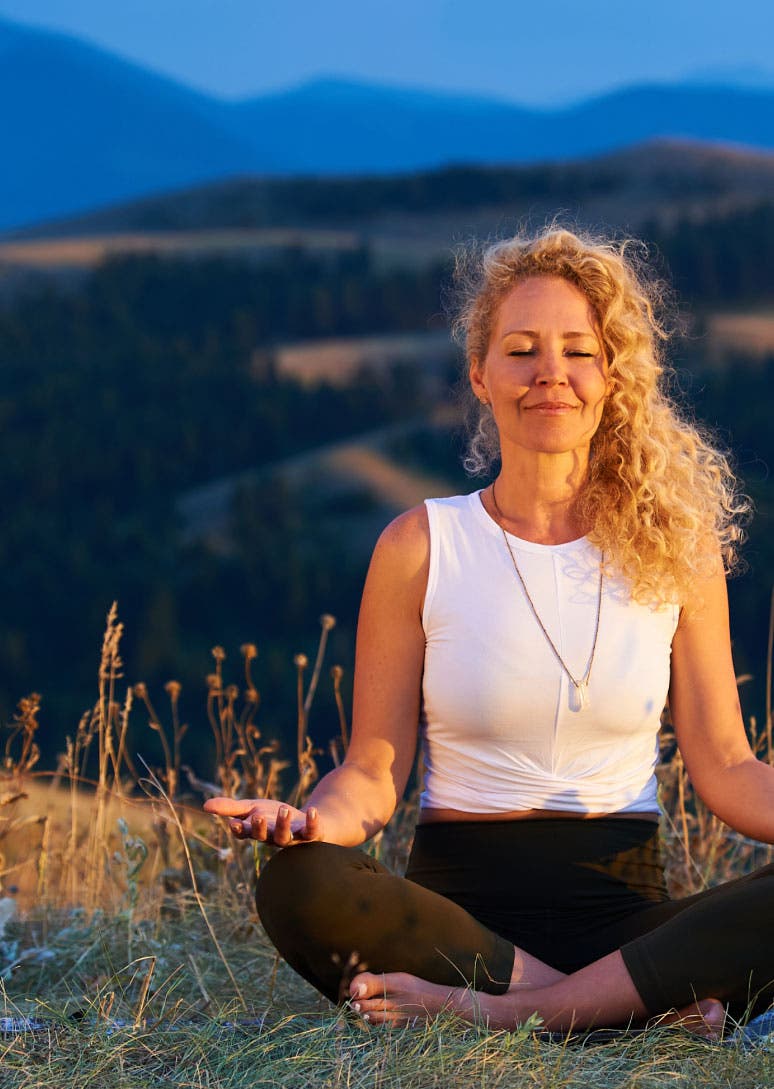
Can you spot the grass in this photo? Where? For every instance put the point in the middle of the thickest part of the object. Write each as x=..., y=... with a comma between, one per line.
x=136, y=946
x=295, y=1040
x=302, y=1051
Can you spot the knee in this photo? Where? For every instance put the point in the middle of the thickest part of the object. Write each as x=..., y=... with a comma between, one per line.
x=305, y=888
x=296, y=874
x=759, y=884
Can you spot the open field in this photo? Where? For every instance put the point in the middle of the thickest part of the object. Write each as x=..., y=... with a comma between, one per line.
x=89, y=250
x=747, y=334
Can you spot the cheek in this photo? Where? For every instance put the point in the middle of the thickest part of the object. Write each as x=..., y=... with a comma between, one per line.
x=594, y=388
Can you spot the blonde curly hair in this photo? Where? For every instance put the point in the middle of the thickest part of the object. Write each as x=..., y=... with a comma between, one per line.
x=660, y=498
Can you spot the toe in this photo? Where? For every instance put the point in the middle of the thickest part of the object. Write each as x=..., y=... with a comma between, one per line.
x=373, y=985
x=714, y=1013
x=366, y=985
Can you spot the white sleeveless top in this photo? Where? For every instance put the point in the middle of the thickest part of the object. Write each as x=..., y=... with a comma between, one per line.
x=498, y=731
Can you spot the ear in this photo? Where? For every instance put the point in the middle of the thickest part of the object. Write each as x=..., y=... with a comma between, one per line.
x=477, y=381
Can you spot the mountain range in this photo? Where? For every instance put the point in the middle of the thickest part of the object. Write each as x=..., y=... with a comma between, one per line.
x=84, y=128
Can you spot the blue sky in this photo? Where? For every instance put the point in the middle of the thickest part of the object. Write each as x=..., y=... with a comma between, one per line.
x=547, y=52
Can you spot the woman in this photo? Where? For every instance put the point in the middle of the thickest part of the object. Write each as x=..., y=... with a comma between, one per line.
x=533, y=630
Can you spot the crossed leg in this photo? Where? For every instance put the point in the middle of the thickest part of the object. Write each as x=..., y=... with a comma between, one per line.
x=414, y=953
x=715, y=945
x=601, y=994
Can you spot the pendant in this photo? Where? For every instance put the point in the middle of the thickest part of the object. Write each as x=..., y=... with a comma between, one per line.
x=579, y=696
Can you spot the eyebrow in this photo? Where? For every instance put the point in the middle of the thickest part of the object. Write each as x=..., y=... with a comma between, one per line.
x=536, y=335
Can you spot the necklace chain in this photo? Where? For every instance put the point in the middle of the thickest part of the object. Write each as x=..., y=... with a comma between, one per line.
x=580, y=686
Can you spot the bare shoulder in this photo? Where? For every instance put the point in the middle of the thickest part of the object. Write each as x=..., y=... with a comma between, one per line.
x=708, y=600
x=401, y=560
x=407, y=538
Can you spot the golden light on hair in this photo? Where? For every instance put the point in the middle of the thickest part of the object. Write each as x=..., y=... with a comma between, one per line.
x=661, y=500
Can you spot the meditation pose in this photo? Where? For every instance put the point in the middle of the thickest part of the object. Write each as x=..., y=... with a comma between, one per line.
x=529, y=635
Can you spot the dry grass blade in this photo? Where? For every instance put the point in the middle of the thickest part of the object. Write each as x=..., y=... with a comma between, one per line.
x=327, y=624
x=153, y=781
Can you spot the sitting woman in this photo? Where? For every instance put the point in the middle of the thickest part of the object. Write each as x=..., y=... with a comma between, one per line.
x=530, y=633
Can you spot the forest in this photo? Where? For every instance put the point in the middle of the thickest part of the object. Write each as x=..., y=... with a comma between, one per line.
x=152, y=376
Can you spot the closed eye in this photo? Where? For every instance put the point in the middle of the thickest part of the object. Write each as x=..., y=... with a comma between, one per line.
x=568, y=352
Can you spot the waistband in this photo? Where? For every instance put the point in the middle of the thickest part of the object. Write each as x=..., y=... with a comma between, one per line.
x=552, y=839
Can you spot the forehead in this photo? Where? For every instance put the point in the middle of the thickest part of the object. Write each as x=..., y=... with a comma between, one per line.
x=545, y=301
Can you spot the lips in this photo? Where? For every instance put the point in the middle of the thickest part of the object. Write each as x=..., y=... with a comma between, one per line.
x=552, y=406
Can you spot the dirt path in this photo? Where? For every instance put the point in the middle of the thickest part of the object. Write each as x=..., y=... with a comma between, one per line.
x=354, y=464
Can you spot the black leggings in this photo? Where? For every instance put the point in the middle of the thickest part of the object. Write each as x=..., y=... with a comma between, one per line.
x=566, y=891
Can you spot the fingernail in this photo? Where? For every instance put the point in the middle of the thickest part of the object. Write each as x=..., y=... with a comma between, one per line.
x=283, y=812
x=356, y=1007
x=366, y=1017
x=313, y=814
x=235, y=826
x=361, y=990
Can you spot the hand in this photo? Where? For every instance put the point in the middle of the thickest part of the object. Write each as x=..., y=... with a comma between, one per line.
x=267, y=820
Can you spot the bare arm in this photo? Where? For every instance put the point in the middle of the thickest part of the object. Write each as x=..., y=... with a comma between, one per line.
x=704, y=703
x=354, y=801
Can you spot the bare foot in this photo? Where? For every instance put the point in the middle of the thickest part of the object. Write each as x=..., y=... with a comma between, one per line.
x=706, y=1018
x=397, y=998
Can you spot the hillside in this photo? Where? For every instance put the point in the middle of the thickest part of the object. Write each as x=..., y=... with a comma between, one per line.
x=409, y=218
x=357, y=467
x=178, y=434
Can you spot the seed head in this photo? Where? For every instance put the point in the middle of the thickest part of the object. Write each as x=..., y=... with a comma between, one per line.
x=327, y=621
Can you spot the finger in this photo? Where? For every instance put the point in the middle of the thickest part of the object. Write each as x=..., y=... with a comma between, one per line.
x=230, y=807
x=259, y=828
x=282, y=834
x=312, y=828
x=239, y=828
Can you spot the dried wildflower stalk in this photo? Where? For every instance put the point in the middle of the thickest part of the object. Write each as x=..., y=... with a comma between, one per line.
x=110, y=671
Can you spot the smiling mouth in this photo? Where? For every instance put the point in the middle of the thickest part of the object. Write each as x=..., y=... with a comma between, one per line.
x=552, y=407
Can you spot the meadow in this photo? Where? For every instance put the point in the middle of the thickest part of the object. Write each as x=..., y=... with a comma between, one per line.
x=131, y=953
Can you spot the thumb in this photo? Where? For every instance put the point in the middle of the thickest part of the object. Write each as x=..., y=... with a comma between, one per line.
x=229, y=807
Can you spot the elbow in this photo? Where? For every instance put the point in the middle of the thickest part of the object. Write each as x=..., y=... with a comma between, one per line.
x=380, y=792
x=742, y=796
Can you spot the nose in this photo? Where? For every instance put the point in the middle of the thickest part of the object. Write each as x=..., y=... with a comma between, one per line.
x=550, y=369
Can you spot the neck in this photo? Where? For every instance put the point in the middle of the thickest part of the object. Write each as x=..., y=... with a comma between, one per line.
x=537, y=502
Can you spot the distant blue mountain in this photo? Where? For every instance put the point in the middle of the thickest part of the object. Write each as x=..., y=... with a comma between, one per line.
x=81, y=127
x=84, y=128
x=334, y=126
